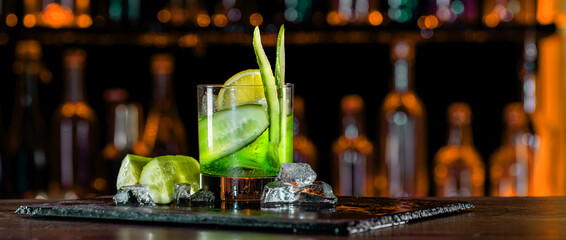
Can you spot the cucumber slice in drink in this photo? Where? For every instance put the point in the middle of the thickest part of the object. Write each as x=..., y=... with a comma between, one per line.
x=162, y=172
x=130, y=170
x=269, y=87
x=231, y=130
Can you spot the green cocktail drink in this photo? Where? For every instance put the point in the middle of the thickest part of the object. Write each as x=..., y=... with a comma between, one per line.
x=235, y=141
x=245, y=128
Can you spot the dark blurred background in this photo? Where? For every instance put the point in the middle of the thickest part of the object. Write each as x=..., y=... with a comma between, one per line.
x=333, y=48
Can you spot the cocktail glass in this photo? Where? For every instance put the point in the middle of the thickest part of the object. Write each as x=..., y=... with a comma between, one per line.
x=242, y=142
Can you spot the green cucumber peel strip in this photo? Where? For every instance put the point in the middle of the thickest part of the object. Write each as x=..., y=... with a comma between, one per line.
x=270, y=88
x=280, y=79
x=280, y=60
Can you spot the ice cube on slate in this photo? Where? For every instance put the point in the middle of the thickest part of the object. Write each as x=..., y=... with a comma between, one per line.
x=296, y=184
x=280, y=192
x=184, y=194
x=318, y=192
x=202, y=196
x=299, y=174
x=182, y=191
x=133, y=194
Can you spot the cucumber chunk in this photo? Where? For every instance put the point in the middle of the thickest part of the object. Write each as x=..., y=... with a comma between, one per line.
x=231, y=130
x=162, y=172
x=130, y=170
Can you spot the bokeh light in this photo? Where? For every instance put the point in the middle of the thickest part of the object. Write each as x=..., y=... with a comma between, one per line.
x=29, y=20
x=84, y=21
x=219, y=20
x=491, y=20
x=203, y=20
x=234, y=15
x=11, y=20
x=375, y=18
x=256, y=19
x=164, y=15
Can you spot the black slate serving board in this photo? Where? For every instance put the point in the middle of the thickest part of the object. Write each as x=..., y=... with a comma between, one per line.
x=350, y=216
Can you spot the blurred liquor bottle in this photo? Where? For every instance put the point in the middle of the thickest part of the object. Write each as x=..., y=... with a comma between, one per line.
x=403, y=165
x=352, y=152
x=27, y=169
x=304, y=150
x=518, y=118
x=459, y=169
x=124, y=125
x=75, y=135
x=511, y=165
x=164, y=132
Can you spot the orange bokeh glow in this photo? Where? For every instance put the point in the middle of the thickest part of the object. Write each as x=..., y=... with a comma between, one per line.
x=545, y=11
x=375, y=18
x=57, y=16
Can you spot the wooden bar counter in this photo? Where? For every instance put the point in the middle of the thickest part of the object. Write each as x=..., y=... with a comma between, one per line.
x=492, y=218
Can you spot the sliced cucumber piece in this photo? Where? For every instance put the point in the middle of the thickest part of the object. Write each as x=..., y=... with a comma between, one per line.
x=280, y=58
x=130, y=170
x=230, y=130
x=269, y=87
x=162, y=172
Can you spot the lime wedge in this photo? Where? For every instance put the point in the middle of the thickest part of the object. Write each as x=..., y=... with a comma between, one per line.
x=231, y=130
x=129, y=173
x=162, y=172
x=270, y=88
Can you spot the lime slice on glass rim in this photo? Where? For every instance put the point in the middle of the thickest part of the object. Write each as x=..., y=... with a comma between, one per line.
x=253, y=92
x=162, y=172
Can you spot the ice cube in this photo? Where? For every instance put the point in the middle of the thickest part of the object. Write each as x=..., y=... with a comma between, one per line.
x=299, y=174
x=133, y=194
x=296, y=185
x=183, y=191
x=184, y=194
x=202, y=196
x=318, y=193
x=280, y=192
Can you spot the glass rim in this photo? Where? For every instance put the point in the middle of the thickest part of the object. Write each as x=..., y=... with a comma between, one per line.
x=286, y=85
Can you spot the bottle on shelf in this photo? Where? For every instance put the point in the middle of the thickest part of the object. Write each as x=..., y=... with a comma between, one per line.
x=124, y=125
x=164, y=132
x=26, y=165
x=304, y=149
x=459, y=169
x=403, y=163
x=75, y=136
x=511, y=165
x=352, y=152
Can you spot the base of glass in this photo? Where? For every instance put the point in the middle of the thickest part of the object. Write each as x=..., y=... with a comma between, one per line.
x=235, y=188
